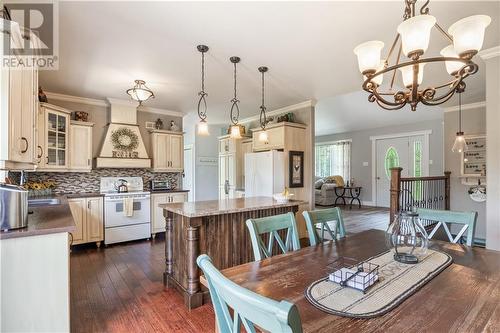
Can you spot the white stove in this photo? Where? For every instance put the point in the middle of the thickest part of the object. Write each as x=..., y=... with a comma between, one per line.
x=120, y=225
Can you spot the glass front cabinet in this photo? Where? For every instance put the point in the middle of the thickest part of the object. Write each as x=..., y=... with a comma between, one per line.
x=53, y=136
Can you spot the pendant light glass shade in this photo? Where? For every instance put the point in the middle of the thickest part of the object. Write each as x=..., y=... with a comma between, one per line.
x=415, y=33
x=459, y=146
x=468, y=33
x=203, y=128
x=263, y=137
x=140, y=92
x=407, y=73
x=235, y=132
x=368, y=55
x=452, y=67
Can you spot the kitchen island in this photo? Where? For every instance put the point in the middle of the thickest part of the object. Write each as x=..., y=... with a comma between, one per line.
x=216, y=228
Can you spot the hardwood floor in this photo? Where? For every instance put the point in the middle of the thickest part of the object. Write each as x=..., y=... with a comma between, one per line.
x=120, y=288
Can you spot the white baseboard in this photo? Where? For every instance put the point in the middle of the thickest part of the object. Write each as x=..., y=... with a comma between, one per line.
x=368, y=203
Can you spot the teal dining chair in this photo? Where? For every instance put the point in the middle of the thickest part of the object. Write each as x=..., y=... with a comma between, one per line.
x=321, y=219
x=271, y=225
x=249, y=309
x=465, y=219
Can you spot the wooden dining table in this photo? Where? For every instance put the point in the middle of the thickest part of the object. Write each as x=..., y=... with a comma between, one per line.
x=465, y=297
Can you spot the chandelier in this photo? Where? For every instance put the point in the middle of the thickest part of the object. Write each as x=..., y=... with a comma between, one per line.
x=202, y=102
x=235, y=109
x=466, y=37
x=262, y=117
x=140, y=92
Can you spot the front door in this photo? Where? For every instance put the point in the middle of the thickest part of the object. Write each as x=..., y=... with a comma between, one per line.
x=409, y=153
x=390, y=153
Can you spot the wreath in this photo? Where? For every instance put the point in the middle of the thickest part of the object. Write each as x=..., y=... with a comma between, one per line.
x=124, y=139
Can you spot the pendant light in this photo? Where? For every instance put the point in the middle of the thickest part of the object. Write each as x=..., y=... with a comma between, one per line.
x=263, y=121
x=235, y=109
x=459, y=146
x=202, y=103
x=140, y=92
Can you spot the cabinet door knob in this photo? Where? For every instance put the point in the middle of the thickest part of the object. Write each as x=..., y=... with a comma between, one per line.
x=27, y=145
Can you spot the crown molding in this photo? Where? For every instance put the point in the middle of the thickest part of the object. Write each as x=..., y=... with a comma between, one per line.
x=301, y=105
x=490, y=53
x=161, y=111
x=76, y=99
x=469, y=106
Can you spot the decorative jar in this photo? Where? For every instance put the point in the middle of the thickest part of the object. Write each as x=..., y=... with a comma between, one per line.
x=407, y=237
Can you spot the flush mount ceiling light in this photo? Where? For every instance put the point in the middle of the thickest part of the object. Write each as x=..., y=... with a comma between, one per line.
x=235, y=109
x=140, y=92
x=262, y=119
x=466, y=37
x=202, y=102
x=459, y=146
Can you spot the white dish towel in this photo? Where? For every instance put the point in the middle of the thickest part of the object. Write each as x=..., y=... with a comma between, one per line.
x=128, y=207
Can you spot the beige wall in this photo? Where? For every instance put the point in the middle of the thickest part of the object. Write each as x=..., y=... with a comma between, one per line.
x=100, y=116
x=473, y=123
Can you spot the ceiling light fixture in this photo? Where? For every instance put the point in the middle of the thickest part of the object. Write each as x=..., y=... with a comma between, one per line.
x=262, y=119
x=459, y=146
x=202, y=103
x=235, y=109
x=466, y=36
x=140, y=92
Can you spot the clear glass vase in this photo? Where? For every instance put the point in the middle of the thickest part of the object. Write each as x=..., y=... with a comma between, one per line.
x=407, y=237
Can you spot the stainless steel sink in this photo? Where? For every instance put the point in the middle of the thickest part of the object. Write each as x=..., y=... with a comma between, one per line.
x=43, y=202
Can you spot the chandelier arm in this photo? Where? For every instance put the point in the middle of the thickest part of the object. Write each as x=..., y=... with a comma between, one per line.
x=424, y=9
x=375, y=96
x=443, y=98
x=392, y=48
x=397, y=63
x=443, y=32
x=383, y=106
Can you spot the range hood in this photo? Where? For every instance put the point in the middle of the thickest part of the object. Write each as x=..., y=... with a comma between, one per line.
x=122, y=146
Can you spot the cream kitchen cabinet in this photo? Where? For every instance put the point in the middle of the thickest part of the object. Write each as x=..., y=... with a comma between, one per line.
x=18, y=103
x=158, y=220
x=53, y=138
x=167, y=150
x=280, y=136
x=88, y=216
x=80, y=143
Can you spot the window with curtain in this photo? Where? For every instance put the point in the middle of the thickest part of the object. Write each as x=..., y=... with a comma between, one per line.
x=333, y=159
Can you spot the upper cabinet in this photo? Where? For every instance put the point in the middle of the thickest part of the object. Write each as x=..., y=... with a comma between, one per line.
x=280, y=136
x=18, y=103
x=80, y=143
x=53, y=137
x=167, y=149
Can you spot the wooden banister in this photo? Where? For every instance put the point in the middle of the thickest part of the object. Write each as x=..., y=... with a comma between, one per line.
x=395, y=191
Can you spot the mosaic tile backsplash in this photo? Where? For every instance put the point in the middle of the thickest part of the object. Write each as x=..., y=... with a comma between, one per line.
x=85, y=182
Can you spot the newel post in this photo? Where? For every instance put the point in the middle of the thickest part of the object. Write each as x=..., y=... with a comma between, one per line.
x=447, y=190
x=395, y=190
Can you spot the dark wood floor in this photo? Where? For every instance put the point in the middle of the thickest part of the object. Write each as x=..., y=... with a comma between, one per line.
x=120, y=289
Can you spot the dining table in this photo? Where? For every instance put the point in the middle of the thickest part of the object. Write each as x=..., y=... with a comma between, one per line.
x=464, y=297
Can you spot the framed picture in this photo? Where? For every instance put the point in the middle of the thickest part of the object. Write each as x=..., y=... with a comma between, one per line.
x=296, y=168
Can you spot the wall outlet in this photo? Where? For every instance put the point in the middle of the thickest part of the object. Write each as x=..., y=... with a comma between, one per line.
x=365, y=163
x=430, y=162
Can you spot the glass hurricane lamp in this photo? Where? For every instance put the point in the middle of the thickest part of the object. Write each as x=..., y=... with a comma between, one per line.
x=407, y=237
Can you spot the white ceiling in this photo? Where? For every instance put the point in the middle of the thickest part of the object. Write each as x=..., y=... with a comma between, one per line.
x=307, y=46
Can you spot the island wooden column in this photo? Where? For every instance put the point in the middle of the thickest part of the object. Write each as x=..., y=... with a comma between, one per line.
x=216, y=228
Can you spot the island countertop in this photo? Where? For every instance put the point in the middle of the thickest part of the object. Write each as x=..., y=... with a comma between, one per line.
x=227, y=206
x=45, y=220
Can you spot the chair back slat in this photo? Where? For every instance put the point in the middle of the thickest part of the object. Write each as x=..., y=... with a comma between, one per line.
x=250, y=309
x=321, y=218
x=443, y=217
x=270, y=226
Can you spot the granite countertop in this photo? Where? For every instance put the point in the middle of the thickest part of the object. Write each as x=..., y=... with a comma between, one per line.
x=44, y=220
x=169, y=191
x=83, y=195
x=219, y=207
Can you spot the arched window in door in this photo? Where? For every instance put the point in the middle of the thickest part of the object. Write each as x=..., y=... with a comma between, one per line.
x=391, y=161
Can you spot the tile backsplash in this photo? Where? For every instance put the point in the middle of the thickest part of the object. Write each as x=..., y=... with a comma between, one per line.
x=82, y=182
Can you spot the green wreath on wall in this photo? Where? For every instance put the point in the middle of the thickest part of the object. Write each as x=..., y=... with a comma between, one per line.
x=124, y=138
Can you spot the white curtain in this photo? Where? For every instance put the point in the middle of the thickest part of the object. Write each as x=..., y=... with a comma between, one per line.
x=334, y=159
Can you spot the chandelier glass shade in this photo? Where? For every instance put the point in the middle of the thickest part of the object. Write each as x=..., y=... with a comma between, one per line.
x=406, y=54
x=202, y=102
x=140, y=92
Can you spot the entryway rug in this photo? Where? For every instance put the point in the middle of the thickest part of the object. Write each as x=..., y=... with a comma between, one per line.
x=397, y=281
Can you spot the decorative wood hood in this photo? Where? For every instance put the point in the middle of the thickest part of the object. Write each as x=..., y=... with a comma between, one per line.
x=123, y=146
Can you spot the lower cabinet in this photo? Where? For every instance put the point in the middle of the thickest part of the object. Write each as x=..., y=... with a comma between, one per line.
x=88, y=216
x=157, y=219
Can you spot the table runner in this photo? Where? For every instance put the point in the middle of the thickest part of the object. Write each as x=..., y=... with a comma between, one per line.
x=397, y=281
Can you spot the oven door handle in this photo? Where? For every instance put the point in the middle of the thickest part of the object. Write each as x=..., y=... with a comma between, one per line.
x=121, y=199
